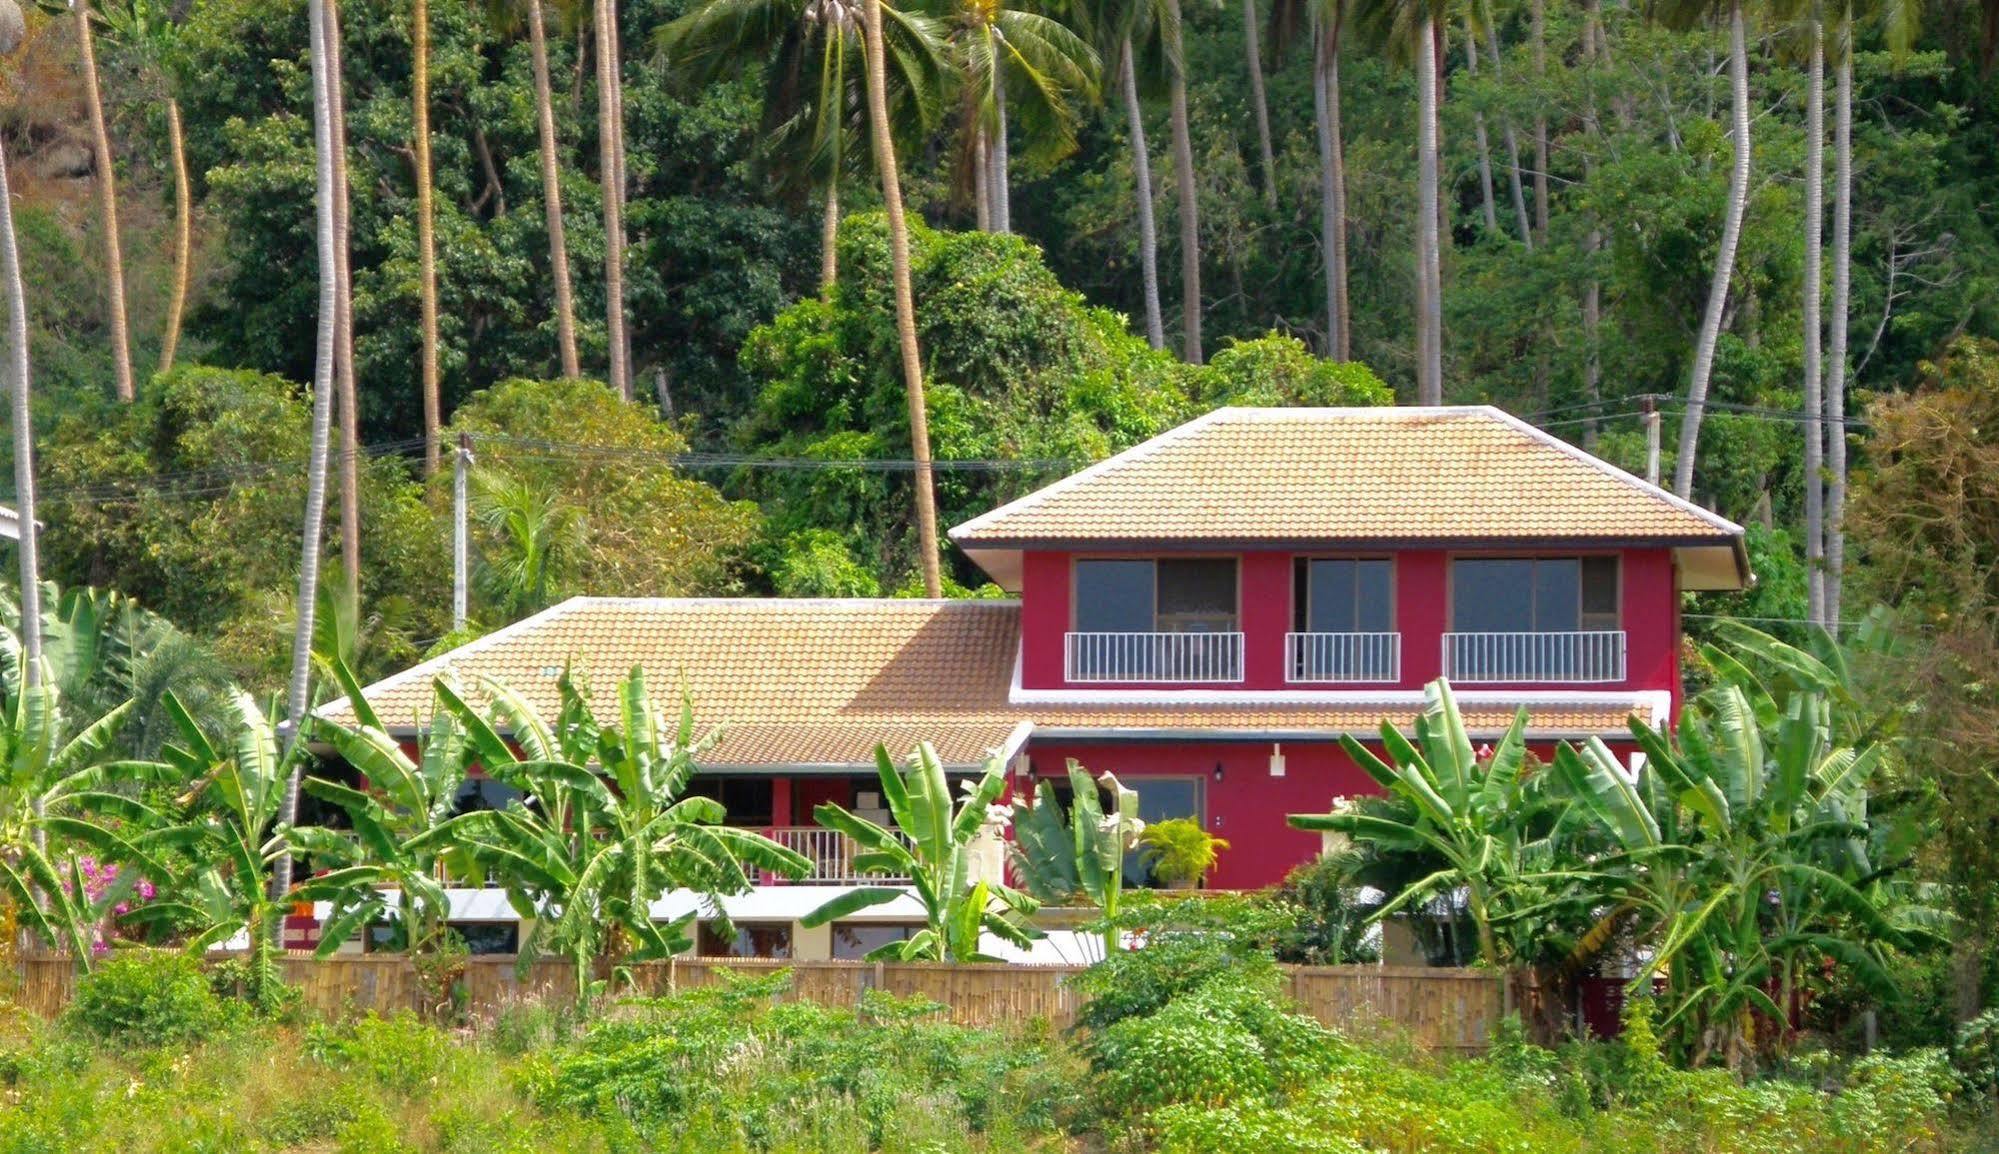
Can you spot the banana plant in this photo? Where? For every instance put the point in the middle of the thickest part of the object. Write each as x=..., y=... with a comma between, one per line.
x=1485, y=825
x=934, y=852
x=1079, y=855
x=57, y=785
x=394, y=862
x=231, y=838
x=602, y=829
x=1745, y=841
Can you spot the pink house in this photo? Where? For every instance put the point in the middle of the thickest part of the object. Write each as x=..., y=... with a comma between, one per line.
x=1203, y=614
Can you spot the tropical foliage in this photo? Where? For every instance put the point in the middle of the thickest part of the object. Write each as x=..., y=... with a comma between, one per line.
x=934, y=847
x=1062, y=858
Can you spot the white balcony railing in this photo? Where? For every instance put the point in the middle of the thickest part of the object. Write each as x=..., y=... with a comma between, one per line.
x=1342, y=657
x=1172, y=657
x=831, y=854
x=1588, y=656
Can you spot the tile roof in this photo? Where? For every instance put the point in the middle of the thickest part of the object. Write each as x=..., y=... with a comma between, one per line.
x=1376, y=475
x=819, y=682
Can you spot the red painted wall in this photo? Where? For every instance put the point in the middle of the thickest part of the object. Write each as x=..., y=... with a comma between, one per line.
x=1422, y=615
x=807, y=792
x=1248, y=806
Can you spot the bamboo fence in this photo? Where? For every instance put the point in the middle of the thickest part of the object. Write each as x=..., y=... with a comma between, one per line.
x=1448, y=1010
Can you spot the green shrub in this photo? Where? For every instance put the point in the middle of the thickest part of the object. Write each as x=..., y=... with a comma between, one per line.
x=147, y=998
x=1257, y=1126
x=1179, y=1054
x=398, y=1053
x=1974, y=1052
x=1134, y=983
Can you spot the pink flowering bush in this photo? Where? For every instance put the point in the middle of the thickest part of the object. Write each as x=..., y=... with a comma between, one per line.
x=106, y=899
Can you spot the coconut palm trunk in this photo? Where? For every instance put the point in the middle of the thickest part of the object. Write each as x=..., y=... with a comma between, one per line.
x=426, y=228
x=183, y=236
x=551, y=193
x=1430, y=321
x=1724, y=260
x=1538, y=21
x=1814, y=286
x=1842, y=300
x=982, y=183
x=608, y=114
x=1259, y=103
x=1332, y=184
x=1514, y=188
x=322, y=409
x=107, y=206
x=347, y=396
x=17, y=384
x=1002, y=181
x=905, y=300
x=1183, y=179
x=1486, y=199
x=1141, y=169
x=829, y=238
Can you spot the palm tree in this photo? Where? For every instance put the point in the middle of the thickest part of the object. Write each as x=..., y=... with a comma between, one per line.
x=146, y=30
x=610, y=160
x=426, y=226
x=1329, y=20
x=905, y=302
x=1519, y=196
x=1731, y=234
x=1183, y=180
x=1430, y=374
x=1047, y=64
x=1486, y=200
x=551, y=193
x=1141, y=168
x=811, y=131
x=12, y=30
x=299, y=698
x=1814, y=289
x=1259, y=104
x=107, y=204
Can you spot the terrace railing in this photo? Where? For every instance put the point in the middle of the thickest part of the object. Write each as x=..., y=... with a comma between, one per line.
x=1519, y=658
x=1319, y=658
x=1184, y=658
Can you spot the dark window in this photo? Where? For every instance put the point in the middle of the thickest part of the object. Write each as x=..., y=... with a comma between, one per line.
x=1159, y=799
x=752, y=940
x=1336, y=595
x=490, y=937
x=1543, y=595
x=853, y=941
x=1185, y=595
x=482, y=793
x=748, y=800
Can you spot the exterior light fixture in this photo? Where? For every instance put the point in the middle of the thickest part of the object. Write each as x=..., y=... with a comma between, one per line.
x=1218, y=771
x=1276, y=759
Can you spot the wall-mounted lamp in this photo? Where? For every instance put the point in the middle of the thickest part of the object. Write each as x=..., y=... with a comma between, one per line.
x=1218, y=771
x=1276, y=759
x=1022, y=767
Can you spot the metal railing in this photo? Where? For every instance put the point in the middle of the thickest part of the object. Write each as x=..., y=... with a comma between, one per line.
x=1342, y=657
x=831, y=854
x=1169, y=657
x=1526, y=657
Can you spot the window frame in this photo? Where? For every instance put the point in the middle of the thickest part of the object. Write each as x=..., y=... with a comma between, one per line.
x=1077, y=559
x=701, y=928
x=1581, y=558
x=1301, y=590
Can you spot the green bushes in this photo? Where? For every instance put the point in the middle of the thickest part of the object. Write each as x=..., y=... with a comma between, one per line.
x=148, y=998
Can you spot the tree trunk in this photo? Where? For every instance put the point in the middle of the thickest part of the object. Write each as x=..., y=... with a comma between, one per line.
x=551, y=194
x=1518, y=194
x=322, y=413
x=346, y=396
x=1814, y=288
x=426, y=228
x=1724, y=260
x=905, y=303
x=1842, y=300
x=1539, y=21
x=16, y=381
x=1259, y=103
x=1430, y=323
x=1592, y=285
x=1189, y=196
x=1002, y=194
x=982, y=182
x=183, y=236
x=608, y=105
x=1141, y=168
x=829, y=239
x=1332, y=190
x=107, y=206
x=1478, y=134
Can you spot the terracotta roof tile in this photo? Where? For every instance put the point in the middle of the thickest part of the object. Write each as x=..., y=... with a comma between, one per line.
x=803, y=683
x=1381, y=475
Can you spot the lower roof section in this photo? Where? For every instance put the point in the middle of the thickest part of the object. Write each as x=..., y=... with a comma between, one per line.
x=808, y=686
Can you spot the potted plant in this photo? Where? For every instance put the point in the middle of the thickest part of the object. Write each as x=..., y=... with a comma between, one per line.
x=1178, y=852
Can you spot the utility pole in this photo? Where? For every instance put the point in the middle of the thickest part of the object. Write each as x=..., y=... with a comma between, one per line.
x=1652, y=440
x=461, y=464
